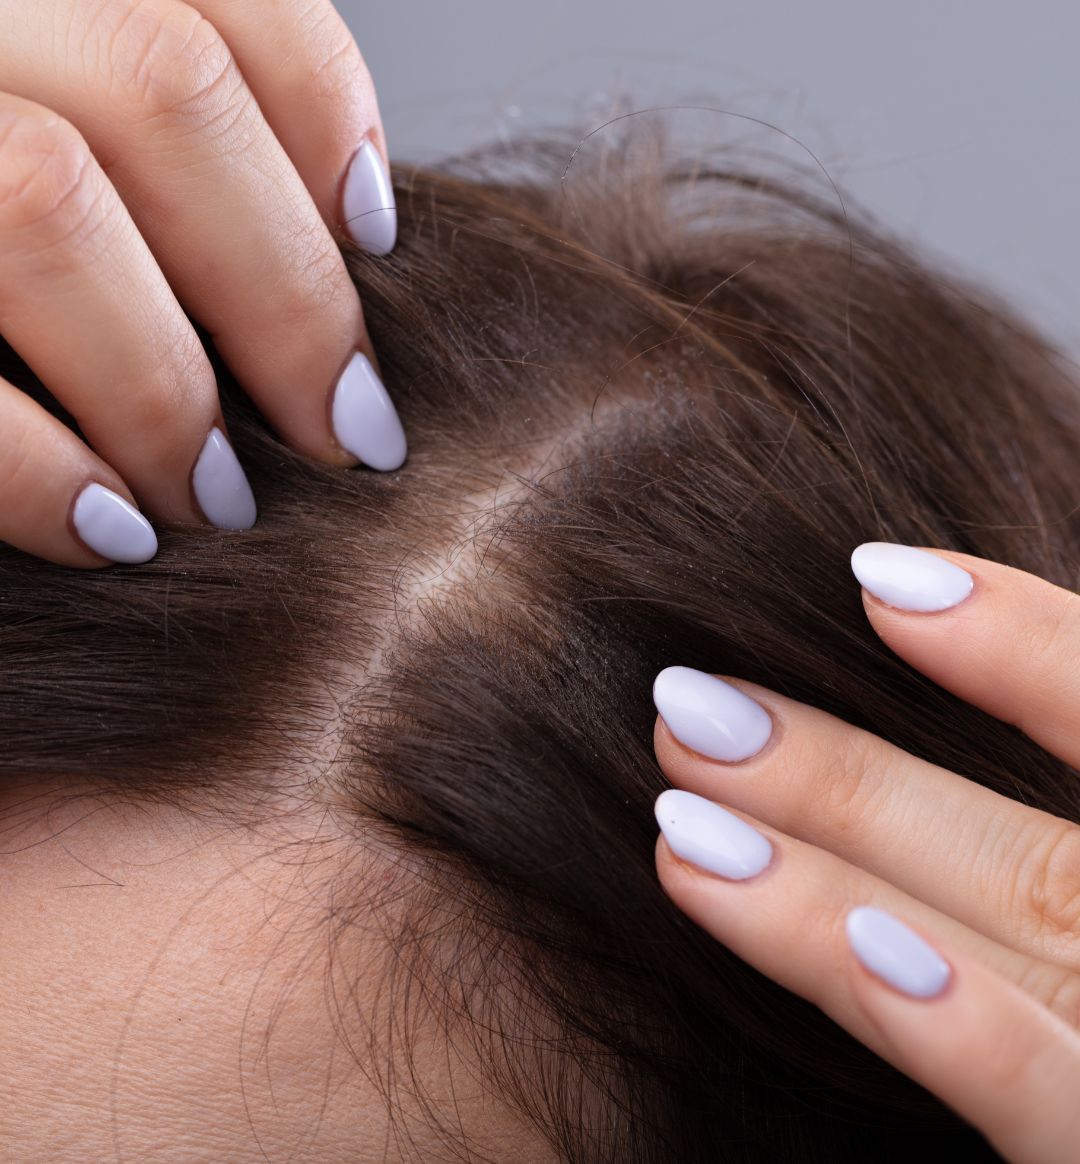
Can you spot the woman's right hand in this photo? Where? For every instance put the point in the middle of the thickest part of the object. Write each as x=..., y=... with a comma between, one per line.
x=160, y=157
x=936, y=920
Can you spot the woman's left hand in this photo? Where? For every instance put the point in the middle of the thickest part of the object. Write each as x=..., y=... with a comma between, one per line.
x=934, y=919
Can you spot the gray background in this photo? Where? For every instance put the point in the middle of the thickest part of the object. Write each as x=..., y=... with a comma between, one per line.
x=953, y=121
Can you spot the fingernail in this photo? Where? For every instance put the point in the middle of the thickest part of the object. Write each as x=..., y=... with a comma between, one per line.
x=113, y=527
x=908, y=578
x=885, y=946
x=706, y=835
x=368, y=205
x=709, y=715
x=221, y=486
x=364, y=417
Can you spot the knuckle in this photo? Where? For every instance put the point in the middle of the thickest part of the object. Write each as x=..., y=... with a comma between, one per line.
x=849, y=775
x=336, y=65
x=331, y=58
x=1055, y=626
x=182, y=391
x=1061, y=996
x=153, y=415
x=175, y=66
x=47, y=177
x=314, y=288
x=1047, y=889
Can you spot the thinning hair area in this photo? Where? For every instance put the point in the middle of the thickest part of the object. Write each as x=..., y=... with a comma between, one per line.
x=651, y=411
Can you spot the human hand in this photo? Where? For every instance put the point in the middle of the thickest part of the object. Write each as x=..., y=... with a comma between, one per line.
x=979, y=1000
x=153, y=154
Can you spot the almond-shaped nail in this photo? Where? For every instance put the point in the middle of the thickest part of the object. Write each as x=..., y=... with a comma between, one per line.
x=709, y=715
x=112, y=526
x=221, y=486
x=908, y=578
x=895, y=953
x=364, y=417
x=707, y=835
x=368, y=206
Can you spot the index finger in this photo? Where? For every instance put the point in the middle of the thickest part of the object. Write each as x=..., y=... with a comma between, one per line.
x=305, y=69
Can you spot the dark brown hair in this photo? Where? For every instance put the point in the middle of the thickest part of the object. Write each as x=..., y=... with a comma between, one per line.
x=651, y=411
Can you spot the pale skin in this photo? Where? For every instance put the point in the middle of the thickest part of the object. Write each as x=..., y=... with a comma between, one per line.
x=160, y=160
x=173, y=991
x=991, y=884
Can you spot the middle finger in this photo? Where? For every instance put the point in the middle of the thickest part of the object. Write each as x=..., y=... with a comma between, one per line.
x=220, y=204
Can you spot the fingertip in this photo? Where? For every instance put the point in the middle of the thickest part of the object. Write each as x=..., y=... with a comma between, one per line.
x=895, y=954
x=909, y=579
x=219, y=486
x=111, y=527
x=363, y=418
x=368, y=206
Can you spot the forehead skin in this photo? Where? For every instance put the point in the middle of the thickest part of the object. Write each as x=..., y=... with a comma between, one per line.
x=168, y=994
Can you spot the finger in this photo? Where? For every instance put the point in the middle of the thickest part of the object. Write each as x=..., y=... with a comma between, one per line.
x=991, y=1052
x=86, y=306
x=999, y=638
x=781, y=905
x=57, y=500
x=307, y=74
x=1000, y=867
x=221, y=206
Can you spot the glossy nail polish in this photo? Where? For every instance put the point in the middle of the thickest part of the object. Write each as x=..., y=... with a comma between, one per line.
x=706, y=835
x=709, y=715
x=368, y=206
x=113, y=527
x=895, y=953
x=910, y=579
x=364, y=417
x=221, y=485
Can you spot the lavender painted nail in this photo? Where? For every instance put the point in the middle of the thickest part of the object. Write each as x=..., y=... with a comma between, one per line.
x=895, y=953
x=221, y=486
x=112, y=526
x=368, y=205
x=364, y=417
x=909, y=578
x=709, y=715
x=707, y=835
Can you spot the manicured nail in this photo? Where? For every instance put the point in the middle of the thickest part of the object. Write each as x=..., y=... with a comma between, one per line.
x=908, y=578
x=221, y=486
x=885, y=946
x=709, y=715
x=365, y=419
x=710, y=837
x=113, y=527
x=368, y=205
